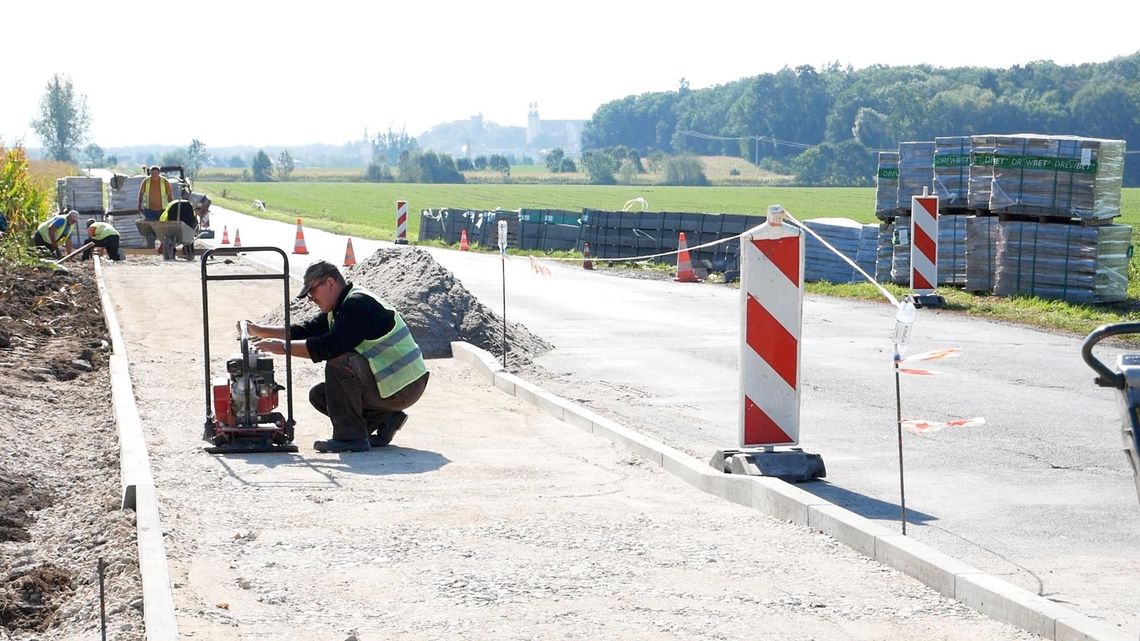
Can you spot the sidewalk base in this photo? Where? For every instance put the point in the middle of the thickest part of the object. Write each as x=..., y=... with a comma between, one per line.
x=793, y=466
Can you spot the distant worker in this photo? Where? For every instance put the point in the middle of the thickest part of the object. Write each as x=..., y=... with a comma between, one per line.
x=180, y=210
x=154, y=194
x=102, y=235
x=56, y=230
x=373, y=367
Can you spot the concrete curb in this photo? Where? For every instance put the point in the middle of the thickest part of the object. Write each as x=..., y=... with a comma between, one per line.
x=985, y=593
x=138, y=484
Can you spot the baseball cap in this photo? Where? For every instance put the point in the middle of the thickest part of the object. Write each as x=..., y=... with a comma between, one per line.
x=315, y=272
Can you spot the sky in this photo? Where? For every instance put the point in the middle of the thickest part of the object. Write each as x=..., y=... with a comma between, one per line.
x=248, y=72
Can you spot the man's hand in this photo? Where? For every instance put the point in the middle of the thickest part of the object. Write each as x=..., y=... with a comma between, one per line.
x=272, y=346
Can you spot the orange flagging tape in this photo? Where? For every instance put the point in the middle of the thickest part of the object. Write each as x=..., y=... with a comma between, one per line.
x=919, y=426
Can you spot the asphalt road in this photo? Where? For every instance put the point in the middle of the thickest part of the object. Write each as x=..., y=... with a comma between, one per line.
x=1040, y=496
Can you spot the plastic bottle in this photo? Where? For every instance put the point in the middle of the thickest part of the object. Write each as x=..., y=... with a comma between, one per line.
x=904, y=320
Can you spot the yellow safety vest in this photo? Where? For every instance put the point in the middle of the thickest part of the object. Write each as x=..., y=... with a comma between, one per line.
x=163, y=189
x=104, y=230
x=395, y=359
x=65, y=231
x=174, y=204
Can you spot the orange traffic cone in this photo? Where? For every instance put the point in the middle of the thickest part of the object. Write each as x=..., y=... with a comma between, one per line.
x=463, y=246
x=225, y=235
x=299, y=243
x=349, y=256
x=158, y=246
x=586, y=262
x=237, y=237
x=685, y=273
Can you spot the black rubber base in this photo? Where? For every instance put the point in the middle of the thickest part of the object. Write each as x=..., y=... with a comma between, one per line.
x=250, y=447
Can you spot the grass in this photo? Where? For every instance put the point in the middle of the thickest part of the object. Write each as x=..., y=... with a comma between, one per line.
x=367, y=210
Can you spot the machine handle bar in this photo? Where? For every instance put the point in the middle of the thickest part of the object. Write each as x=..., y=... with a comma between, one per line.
x=1106, y=377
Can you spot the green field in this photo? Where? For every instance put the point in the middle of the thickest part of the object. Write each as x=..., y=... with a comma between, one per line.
x=367, y=210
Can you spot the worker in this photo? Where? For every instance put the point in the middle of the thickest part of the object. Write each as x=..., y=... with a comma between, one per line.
x=373, y=367
x=180, y=210
x=56, y=230
x=154, y=195
x=102, y=235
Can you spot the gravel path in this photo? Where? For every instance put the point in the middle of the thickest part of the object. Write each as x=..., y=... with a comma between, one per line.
x=485, y=519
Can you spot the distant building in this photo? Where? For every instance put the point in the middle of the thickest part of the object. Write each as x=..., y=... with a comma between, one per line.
x=548, y=134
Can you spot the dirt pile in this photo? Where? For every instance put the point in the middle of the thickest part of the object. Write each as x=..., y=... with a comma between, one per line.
x=59, y=473
x=437, y=308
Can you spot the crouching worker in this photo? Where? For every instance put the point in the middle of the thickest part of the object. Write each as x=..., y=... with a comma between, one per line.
x=102, y=235
x=373, y=367
x=56, y=231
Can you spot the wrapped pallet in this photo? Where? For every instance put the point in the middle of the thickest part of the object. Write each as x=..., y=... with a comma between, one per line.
x=1075, y=263
x=81, y=193
x=885, y=251
x=981, y=252
x=900, y=252
x=125, y=196
x=1066, y=176
x=951, y=170
x=952, y=250
x=981, y=171
x=916, y=171
x=866, y=256
x=820, y=263
x=887, y=185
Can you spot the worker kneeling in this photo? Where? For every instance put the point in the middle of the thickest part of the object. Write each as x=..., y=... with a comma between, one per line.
x=102, y=235
x=373, y=367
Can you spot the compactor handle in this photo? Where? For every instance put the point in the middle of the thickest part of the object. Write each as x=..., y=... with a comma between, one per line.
x=1105, y=376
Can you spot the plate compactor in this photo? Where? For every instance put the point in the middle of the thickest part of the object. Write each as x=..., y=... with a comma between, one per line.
x=240, y=416
x=1126, y=379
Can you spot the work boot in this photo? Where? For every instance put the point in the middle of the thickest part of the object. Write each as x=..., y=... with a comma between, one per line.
x=387, y=429
x=336, y=446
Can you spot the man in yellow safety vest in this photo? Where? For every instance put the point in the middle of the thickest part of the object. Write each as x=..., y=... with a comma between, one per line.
x=154, y=194
x=373, y=367
x=102, y=235
x=56, y=230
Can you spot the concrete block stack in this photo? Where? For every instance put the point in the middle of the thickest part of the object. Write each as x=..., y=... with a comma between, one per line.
x=1075, y=263
x=916, y=172
x=821, y=263
x=952, y=171
x=81, y=193
x=981, y=252
x=1064, y=176
x=887, y=185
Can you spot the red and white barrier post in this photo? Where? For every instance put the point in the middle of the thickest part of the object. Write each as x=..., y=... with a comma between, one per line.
x=771, y=320
x=401, y=222
x=924, y=250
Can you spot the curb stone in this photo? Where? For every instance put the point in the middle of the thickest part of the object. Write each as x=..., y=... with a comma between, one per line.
x=138, y=484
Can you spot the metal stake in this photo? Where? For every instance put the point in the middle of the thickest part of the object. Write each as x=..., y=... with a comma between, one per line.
x=102, y=598
x=503, y=261
x=898, y=414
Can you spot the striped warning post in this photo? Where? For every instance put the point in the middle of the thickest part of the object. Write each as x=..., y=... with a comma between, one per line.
x=401, y=222
x=923, y=243
x=771, y=300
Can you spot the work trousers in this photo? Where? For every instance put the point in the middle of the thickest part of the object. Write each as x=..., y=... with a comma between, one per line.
x=110, y=244
x=352, y=402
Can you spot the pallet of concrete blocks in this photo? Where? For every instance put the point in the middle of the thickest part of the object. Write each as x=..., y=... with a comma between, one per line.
x=885, y=251
x=952, y=171
x=1075, y=263
x=981, y=252
x=81, y=193
x=856, y=241
x=916, y=171
x=887, y=185
x=951, y=250
x=981, y=174
x=900, y=251
x=1065, y=176
x=124, y=193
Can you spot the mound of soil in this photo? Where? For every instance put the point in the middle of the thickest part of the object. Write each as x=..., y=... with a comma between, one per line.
x=436, y=306
x=59, y=471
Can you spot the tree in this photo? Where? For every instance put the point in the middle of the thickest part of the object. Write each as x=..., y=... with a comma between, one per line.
x=236, y=162
x=262, y=167
x=195, y=156
x=63, y=121
x=684, y=170
x=554, y=160
x=428, y=167
x=94, y=155
x=387, y=148
x=284, y=166
x=600, y=167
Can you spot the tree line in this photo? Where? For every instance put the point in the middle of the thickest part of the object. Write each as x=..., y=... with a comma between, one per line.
x=825, y=124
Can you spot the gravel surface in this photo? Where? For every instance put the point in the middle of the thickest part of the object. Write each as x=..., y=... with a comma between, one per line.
x=484, y=519
x=59, y=471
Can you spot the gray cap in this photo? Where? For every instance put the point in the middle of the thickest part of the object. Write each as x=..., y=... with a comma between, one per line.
x=314, y=273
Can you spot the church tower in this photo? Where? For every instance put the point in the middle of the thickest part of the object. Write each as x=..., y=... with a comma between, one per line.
x=532, y=123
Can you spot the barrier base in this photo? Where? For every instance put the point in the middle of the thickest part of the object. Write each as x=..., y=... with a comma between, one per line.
x=929, y=300
x=401, y=241
x=793, y=466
